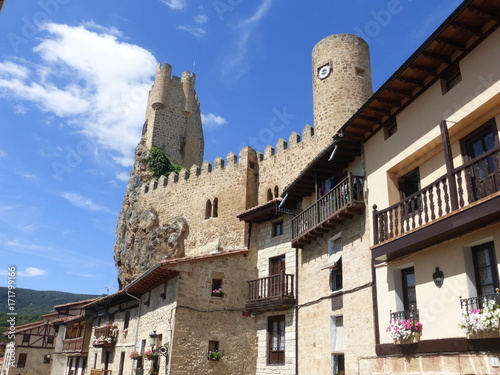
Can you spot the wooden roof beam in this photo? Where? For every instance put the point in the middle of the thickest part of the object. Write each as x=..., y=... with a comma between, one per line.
x=392, y=102
x=405, y=93
x=383, y=111
x=411, y=81
x=451, y=43
x=428, y=70
x=365, y=128
x=467, y=28
x=485, y=12
x=436, y=56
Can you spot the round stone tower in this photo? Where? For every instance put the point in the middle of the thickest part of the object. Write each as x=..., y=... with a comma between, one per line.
x=342, y=81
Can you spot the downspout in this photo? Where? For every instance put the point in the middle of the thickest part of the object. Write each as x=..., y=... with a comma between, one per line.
x=249, y=234
x=137, y=325
x=297, y=311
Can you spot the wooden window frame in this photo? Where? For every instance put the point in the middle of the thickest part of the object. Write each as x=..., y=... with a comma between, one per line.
x=405, y=288
x=278, y=228
x=492, y=267
x=274, y=356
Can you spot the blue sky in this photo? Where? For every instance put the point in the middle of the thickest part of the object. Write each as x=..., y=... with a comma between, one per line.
x=74, y=77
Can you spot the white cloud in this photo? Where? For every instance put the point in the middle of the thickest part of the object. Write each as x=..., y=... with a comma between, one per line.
x=258, y=15
x=82, y=202
x=211, y=121
x=3, y=154
x=235, y=63
x=199, y=20
x=195, y=31
x=28, y=272
x=28, y=176
x=20, y=109
x=89, y=78
x=8, y=68
x=31, y=272
x=123, y=176
x=175, y=4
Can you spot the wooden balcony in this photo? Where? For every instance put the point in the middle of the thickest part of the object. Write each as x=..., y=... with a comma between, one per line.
x=271, y=293
x=104, y=337
x=466, y=199
x=95, y=371
x=73, y=345
x=342, y=202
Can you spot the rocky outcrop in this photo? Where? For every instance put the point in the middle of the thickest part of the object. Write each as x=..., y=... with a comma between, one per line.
x=141, y=241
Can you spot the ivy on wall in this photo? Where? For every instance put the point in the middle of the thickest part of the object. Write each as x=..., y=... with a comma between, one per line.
x=159, y=163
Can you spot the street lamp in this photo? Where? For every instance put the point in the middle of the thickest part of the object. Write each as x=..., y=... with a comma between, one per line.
x=152, y=339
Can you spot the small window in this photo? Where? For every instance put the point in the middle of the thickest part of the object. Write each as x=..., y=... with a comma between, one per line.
x=126, y=321
x=409, y=289
x=409, y=184
x=335, y=263
x=21, y=361
x=269, y=195
x=122, y=362
x=215, y=208
x=46, y=358
x=390, y=129
x=208, y=209
x=50, y=340
x=338, y=366
x=276, y=340
x=276, y=192
x=278, y=228
x=450, y=78
x=336, y=277
x=217, y=288
x=163, y=294
x=26, y=338
x=214, y=353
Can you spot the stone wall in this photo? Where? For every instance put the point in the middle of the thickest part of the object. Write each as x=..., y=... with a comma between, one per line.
x=201, y=318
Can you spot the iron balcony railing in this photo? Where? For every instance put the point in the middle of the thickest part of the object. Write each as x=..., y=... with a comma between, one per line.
x=470, y=182
x=345, y=194
x=274, y=287
x=411, y=314
x=477, y=303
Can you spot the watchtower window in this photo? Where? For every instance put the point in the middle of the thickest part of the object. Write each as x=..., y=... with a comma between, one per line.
x=215, y=208
x=208, y=209
x=269, y=195
x=276, y=192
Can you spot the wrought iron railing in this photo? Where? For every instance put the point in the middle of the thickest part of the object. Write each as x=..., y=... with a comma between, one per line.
x=278, y=286
x=345, y=194
x=470, y=182
x=411, y=314
x=477, y=303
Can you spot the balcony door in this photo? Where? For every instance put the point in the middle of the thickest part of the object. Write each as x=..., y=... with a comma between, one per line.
x=409, y=184
x=474, y=145
x=276, y=269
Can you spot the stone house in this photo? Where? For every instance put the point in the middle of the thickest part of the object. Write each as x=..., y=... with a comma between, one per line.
x=33, y=348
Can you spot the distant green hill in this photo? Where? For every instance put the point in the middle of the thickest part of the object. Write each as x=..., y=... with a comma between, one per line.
x=39, y=302
x=32, y=304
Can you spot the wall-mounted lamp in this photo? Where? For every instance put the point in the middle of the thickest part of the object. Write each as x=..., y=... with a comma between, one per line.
x=152, y=339
x=438, y=277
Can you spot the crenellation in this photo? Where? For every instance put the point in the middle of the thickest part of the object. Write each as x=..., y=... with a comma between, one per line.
x=206, y=167
x=268, y=151
x=195, y=170
x=281, y=145
x=218, y=163
x=183, y=175
x=307, y=132
x=231, y=159
x=163, y=180
x=173, y=177
x=293, y=139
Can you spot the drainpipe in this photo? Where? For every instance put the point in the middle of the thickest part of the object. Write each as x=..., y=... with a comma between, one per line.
x=297, y=311
x=137, y=325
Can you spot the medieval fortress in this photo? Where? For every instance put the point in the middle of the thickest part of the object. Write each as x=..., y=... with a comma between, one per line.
x=210, y=196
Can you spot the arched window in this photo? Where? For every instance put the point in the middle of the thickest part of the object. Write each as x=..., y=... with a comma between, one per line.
x=208, y=209
x=215, y=208
x=276, y=192
x=269, y=195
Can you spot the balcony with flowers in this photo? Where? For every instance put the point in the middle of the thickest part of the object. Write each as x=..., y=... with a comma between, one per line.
x=480, y=317
x=105, y=336
x=404, y=327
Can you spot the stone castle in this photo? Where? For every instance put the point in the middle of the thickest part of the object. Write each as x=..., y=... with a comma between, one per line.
x=159, y=221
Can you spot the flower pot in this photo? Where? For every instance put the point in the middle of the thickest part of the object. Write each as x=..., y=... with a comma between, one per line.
x=484, y=334
x=412, y=339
